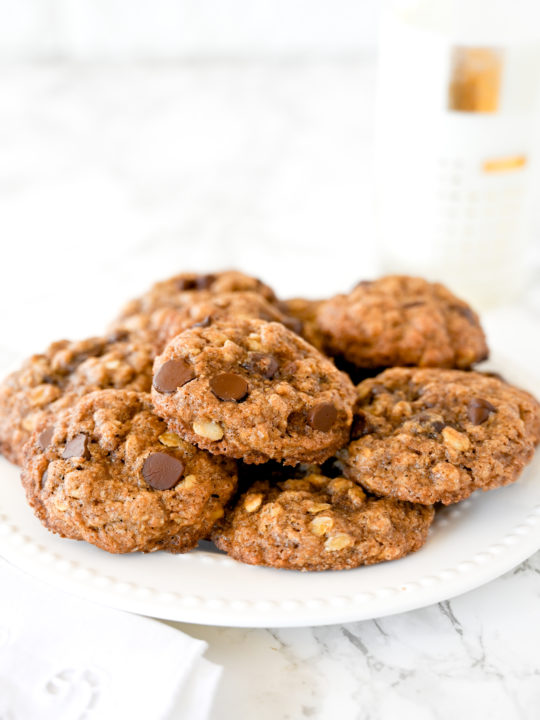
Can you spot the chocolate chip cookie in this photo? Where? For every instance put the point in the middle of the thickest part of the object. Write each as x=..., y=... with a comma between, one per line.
x=51, y=381
x=253, y=390
x=109, y=471
x=314, y=522
x=171, y=292
x=434, y=435
x=400, y=320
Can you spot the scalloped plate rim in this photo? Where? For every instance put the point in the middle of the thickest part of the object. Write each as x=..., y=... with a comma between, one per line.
x=27, y=546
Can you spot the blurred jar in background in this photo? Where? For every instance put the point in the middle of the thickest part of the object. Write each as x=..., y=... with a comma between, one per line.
x=456, y=133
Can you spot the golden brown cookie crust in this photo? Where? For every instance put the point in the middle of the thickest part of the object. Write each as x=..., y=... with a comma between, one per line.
x=292, y=405
x=400, y=320
x=50, y=382
x=89, y=478
x=319, y=523
x=434, y=435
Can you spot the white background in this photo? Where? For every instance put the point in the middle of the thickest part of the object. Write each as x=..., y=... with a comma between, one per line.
x=154, y=29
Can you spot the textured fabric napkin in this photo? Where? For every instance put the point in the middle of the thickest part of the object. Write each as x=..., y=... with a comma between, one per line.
x=62, y=658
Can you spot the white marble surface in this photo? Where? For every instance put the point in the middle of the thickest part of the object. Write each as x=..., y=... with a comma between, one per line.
x=473, y=657
x=112, y=176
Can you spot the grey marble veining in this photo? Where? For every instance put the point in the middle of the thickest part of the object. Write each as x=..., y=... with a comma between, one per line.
x=473, y=656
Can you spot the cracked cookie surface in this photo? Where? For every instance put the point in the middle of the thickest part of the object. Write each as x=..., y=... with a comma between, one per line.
x=51, y=381
x=400, y=320
x=433, y=435
x=108, y=471
x=255, y=390
x=313, y=522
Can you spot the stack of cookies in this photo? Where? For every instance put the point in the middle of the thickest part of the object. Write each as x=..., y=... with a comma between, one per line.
x=300, y=434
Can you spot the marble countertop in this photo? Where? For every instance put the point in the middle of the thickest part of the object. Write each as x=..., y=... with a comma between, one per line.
x=473, y=656
x=115, y=176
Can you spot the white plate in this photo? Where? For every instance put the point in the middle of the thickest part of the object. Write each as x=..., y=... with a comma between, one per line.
x=469, y=544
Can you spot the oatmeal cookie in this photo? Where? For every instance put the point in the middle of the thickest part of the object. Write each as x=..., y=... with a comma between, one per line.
x=253, y=390
x=319, y=523
x=434, y=435
x=51, y=381
x=109, y=471
x=400, y=320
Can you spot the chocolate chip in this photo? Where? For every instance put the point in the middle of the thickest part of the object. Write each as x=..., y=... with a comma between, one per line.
x=429, y=424
x=186, y=284
x=205, y=322
x=229, y=386
x=203, y=282
x=479, y=410
x=162, y=471
x=265, y=365
x=44, y=477
x=322, y=416
x=77, y=447
x=45, y=437
x=360, y=426
x=172, y=375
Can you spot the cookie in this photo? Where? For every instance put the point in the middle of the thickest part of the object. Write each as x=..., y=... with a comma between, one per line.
x=200, y=308
x=319, y=523
x=51, y=381
x=254, y=390
x=305, y=311
x=171, y=292
x=434, y=435
x=108, y=471
x=400, y=320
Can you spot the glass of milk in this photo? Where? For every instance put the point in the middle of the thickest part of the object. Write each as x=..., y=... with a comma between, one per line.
x=456, y=142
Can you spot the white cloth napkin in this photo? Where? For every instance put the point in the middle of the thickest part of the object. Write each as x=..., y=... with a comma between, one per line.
x=62, y=658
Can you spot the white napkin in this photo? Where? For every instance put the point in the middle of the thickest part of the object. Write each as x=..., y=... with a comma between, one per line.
x=62, y=658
